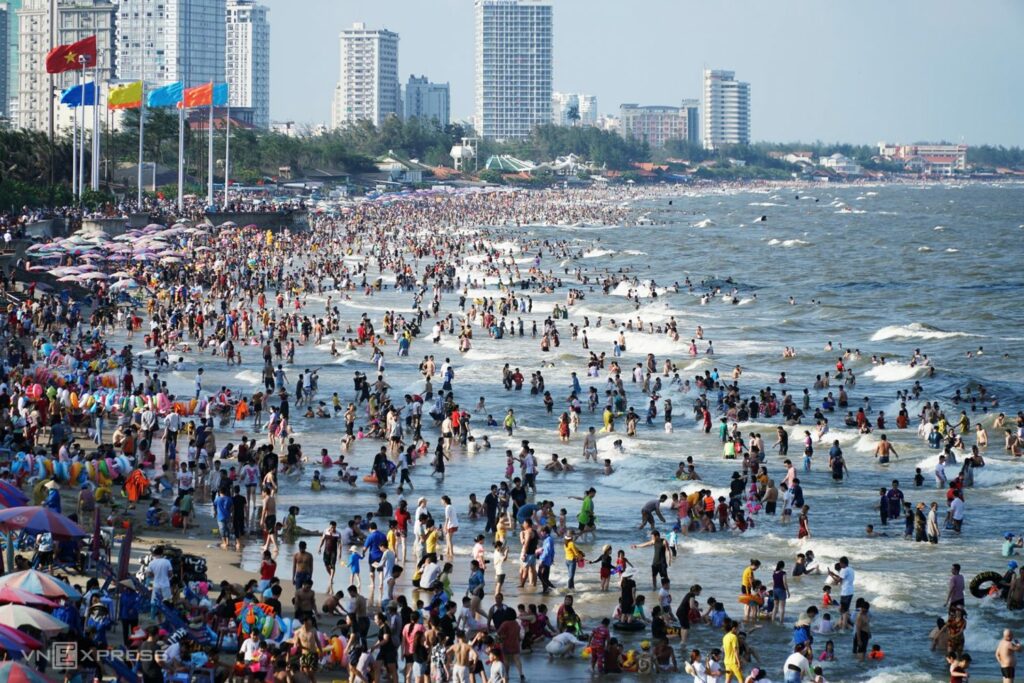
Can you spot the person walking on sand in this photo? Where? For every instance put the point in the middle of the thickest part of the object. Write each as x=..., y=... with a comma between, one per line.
x=268, y=517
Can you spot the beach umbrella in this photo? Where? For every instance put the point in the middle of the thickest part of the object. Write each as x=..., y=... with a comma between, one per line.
x=39, y=583
x=124, y=554
x=11, y=496
x=13, y=640
x=37, y=519
x=68, y=278
x=94, y=276
x=22, y=615
x=15, y=672
x=22, y=597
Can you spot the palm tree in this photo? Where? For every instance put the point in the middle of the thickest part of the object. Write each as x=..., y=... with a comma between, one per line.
x=573, y=114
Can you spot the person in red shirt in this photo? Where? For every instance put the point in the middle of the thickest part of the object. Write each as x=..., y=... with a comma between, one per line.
x=268, y=570
x=511, y=646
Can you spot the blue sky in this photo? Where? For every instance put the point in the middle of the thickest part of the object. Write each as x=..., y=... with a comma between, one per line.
x=845, y=70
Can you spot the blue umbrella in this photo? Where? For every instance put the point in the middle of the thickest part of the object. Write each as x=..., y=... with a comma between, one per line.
x=11, y=496
x=36, y=519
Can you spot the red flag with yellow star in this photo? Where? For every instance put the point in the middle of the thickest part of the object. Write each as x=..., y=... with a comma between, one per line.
x=68, y=57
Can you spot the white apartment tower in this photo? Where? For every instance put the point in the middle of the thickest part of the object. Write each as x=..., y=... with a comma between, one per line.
x=562, y=104
x=165, y=41
x=427, y=101
x=513, y=67
x=76, y=20
x=247, y=65
x=726, y=101
x=368, y=88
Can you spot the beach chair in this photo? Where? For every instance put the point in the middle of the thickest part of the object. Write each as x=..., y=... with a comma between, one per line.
x=125, y=673
x=175, y=622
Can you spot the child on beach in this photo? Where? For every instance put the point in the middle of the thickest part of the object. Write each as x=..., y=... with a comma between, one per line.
x=498, y=559
x=354, y=557
x=621, y=563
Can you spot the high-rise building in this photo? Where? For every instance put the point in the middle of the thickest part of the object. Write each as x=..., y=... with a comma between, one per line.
x=247, y=66
x=10, y=73
x=692, y=110
x=368, y=88
x=653, y=124
x=76, y=20
x=513, y=67
x=164, y=41
x=428, y=101
x=5, y=72
x=726, y=110
x=564, y=103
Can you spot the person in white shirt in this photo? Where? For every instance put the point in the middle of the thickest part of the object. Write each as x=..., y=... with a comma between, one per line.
x=160, y=570
x=796, y=666
x=250, y=647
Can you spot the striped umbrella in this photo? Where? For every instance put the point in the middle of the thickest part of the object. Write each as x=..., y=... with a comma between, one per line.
x=13, y=640
x=11, y=496
x=39, y=583
x=37, y=519
x=14, y=672
x=21, y=615
x=23, y=597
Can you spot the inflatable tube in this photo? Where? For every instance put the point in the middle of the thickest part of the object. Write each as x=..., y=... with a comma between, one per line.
x=628, y=626
x=103, y=468
x=75, y=472
x=61, y=468
x=124, y=465
x=750, y=598
x=980, y=587
x=337, y=649
x=370, y=479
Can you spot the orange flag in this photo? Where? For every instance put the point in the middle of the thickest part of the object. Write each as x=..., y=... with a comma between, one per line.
x=199, y=96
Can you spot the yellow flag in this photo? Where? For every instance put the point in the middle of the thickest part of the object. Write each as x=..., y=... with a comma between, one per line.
x=126, y=96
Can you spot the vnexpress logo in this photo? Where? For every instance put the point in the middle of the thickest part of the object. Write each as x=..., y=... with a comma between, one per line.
x=64, y=655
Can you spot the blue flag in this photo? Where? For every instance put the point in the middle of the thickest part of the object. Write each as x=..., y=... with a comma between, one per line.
x=220, y=95
x=168, y=96
x=79, y=95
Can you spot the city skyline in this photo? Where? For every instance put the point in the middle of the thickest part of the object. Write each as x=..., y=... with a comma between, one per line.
x=834, y=72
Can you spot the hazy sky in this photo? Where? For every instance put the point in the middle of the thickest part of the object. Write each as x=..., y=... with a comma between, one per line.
x=851, y=70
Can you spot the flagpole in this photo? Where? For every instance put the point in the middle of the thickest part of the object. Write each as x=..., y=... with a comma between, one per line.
x=81, y=147
x=209, y=190
x=142, y=130
x=181, y=157
x=227, y=156
x=74, y=148
x=95, y=167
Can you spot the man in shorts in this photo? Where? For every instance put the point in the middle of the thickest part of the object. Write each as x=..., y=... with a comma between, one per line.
x=1006, y=655
x=328, y=549
x=302, y=566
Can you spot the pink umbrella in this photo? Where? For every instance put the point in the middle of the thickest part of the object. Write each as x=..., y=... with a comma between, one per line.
x=22, y=597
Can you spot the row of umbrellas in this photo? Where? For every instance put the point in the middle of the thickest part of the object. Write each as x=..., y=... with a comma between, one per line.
x=25, y=592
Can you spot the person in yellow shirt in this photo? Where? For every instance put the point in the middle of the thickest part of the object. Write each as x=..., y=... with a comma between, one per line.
x=731, y=648
x=573, y=555
x=432, y=537
x=747, y=582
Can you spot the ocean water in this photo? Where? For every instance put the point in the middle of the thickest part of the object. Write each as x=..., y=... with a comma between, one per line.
x=893, y=268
